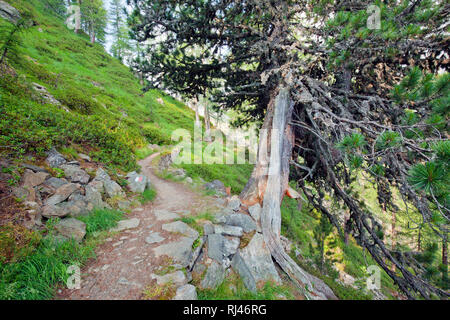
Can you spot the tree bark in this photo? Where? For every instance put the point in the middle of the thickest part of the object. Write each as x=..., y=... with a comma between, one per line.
x=268, y=185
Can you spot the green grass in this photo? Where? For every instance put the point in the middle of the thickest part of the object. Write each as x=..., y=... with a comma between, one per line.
x=101, y=220
x=37, y=275
x=110, y=119
x=233, y=288
x=147, y=196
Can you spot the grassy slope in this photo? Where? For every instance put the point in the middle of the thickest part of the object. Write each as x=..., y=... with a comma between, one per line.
x=101, y=92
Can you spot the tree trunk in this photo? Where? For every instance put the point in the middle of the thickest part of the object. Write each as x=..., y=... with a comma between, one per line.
x=445, y=259
x=268, y=185
x=394, y=234
x=207, y=125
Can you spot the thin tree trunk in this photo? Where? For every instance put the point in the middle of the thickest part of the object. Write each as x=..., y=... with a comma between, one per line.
x=445, y=259
x=394, y=234
x=268, y=184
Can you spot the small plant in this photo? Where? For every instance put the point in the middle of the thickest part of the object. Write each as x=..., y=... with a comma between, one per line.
x=101, y=219
x=147, y=196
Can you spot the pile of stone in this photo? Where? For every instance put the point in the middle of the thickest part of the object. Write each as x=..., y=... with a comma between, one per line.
x=78, y=193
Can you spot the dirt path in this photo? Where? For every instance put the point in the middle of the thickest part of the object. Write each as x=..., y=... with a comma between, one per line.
x=125, y=262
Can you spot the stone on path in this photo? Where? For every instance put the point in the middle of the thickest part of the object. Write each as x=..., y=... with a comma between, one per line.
x=186, y=292
x=164, y=215
x=136, y=182
x=126, y=224
x=154, y=238
x=180, y=251
x=182, y=228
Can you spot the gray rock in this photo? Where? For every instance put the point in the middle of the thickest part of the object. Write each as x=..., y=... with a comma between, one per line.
x=84, y=157
x=9, y=13
x=186, y=292
x=55, y=159
x=214, y=276
x=137, y=182
x=53, y=211
x=113, y=189
x=216, y=186
x=229, y=230
x=97, y=185
x=239, y=265
x=126, y=225
x=154, y=238
x=164, y=215
x=259, y=260
x=33, y=167
x=94, y=197
x=230, y=246
x=55, y=183
x=177, y=278
x=75, y=208
x=71, y=228
x=75, y=174
x=197, y=252
x=124, y=205
x=62, y=193
x=180, y=251
x=255, y=212
x=237, y=220
x=208, y=228
x=216, y=247
x=234, y=203
x=182, y=228
x=20, y=193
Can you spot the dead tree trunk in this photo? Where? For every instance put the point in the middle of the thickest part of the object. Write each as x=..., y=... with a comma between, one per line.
x=268, y=185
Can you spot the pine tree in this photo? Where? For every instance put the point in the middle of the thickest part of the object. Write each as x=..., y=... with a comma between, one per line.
x=94, y=19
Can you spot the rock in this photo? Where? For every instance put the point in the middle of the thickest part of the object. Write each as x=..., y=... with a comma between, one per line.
x=208, y=228
x=9, y=13
x=214, y=276
x=189, y=180
x=216, y=247
x=55, y=159
x=55, y=183
x=113, y=189
x=94, y=197
x=33, y=167
x=53, y=211
x=216, y=186
x=21, y=193
x=255, y=212
x=182, y=228
x=186, y=292
x=239, y=265
x=259, y=260
x=62, y=193
x=238, y=220
x=154, y=238
x=137, y=182
x=126, y=224
x=76, y=208
x=234, y=203
x=230, y=246
x=97, y=185
x=177, y=278
x=180, y=251
x=84, y=157
x=163, y=215
x=31, y=179
x=75, y=174
x=124, y=205
x=197, y=252
x=229, y=230
x=71, y=228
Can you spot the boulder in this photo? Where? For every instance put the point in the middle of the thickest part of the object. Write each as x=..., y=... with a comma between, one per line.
x=239, y=265
x=97, y=185
x=216, y=247
x=180, y=251
x=238, y=220
x=182, y=228
x=71, y=228
x=259, y=260
x=113, y=189
x=55, y=183
x=9, y=13
x=186, y=292
x=230, y=246
x=75, y=174
x=62, y=193
x=208, y=228
x=55, y=159
x=53, y=211
x=137, y=182
x=229, y=230
x=33, y=167
x=94, y=197
x=214, y=276
x=217, y=186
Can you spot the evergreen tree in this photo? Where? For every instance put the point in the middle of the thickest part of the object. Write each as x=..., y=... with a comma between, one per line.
x=94, y=19
x=121, y=45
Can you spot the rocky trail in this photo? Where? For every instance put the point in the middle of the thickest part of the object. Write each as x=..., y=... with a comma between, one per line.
x=151, y=238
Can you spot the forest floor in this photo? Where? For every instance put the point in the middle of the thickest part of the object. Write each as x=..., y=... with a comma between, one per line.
x=125, y=262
